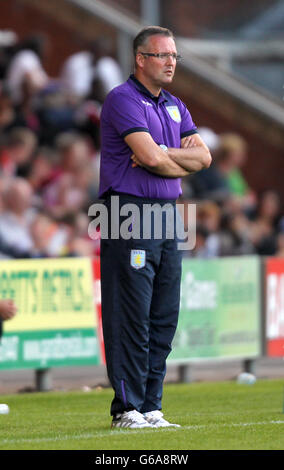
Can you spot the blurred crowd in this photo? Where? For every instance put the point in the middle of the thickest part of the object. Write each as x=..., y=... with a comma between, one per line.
x=50, y=147
x=50, y=155
x=231, y=218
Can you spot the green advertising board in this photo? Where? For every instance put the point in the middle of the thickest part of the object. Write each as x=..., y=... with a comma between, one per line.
x=56, y=323
x=219, y=310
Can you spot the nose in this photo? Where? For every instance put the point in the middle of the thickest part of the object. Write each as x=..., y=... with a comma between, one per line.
x=170, y=59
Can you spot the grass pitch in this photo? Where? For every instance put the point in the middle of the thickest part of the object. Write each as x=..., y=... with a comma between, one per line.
x=216, y=416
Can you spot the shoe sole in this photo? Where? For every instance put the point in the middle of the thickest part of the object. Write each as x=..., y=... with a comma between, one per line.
x=132, y=427
x=119, y=426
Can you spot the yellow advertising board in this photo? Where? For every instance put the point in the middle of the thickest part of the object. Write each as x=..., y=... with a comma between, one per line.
x=51, y=294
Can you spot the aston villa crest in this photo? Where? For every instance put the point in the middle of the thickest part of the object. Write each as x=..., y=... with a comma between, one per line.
x=174, y=113
x=138, y=259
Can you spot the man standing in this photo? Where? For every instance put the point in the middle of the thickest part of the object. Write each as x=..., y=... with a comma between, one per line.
x=149, y=142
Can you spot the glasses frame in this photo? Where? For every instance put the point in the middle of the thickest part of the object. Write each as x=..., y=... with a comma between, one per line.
x=162, y=55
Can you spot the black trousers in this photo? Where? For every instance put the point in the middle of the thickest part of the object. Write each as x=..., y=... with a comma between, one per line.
x=140, y=286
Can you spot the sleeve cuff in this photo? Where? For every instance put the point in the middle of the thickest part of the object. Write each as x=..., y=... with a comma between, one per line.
x=134, y=129
x=187, y=133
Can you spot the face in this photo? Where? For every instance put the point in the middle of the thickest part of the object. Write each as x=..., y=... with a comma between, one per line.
x=270, y=204
x=155, y=71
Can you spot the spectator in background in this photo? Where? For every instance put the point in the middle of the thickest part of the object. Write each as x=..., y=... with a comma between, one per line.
x=108, y=73
x=87, y=120
x=79, y=243
x=210, y=183
x=42, y=169
x=220, y=232
x=209, y=218
x=224, y=178
x=25, y=75
x=92, y=71
x=77, y=73
x=68, y=192
x=3, y=184
x=280, y=245
x=268, y=209
x=266, y=222
x=191, y=188
x=7, y=112
x=15, y=238
x=49, y=238
x=210, y=138
x=55, y=114
x=200, y=249
x=8, y=41
x=12, y=116
x=233, y=149
x=234, y=239
x=17, y=151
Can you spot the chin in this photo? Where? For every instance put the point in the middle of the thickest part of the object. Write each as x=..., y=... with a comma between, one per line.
x=167, y=80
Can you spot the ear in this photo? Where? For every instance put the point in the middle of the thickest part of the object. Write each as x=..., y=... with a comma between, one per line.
x=140, y=60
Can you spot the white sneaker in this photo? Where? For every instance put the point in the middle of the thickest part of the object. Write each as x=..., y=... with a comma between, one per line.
x=156, y=418
x=131, y=419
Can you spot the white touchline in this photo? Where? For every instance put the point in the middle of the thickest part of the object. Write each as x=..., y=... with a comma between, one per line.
x=123, y=432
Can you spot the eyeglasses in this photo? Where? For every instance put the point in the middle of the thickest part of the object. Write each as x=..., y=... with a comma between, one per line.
x=163, y=55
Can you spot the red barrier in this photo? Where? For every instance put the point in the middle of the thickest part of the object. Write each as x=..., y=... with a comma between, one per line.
x=274, y=311
x=97, y=295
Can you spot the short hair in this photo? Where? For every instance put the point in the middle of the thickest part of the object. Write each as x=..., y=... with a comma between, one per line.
x=230, y=142
x=21, y=136
x=67, y=139
x=145, y=33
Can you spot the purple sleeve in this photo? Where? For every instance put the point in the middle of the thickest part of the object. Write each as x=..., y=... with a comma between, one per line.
x=187, y=126
x=126, y=114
